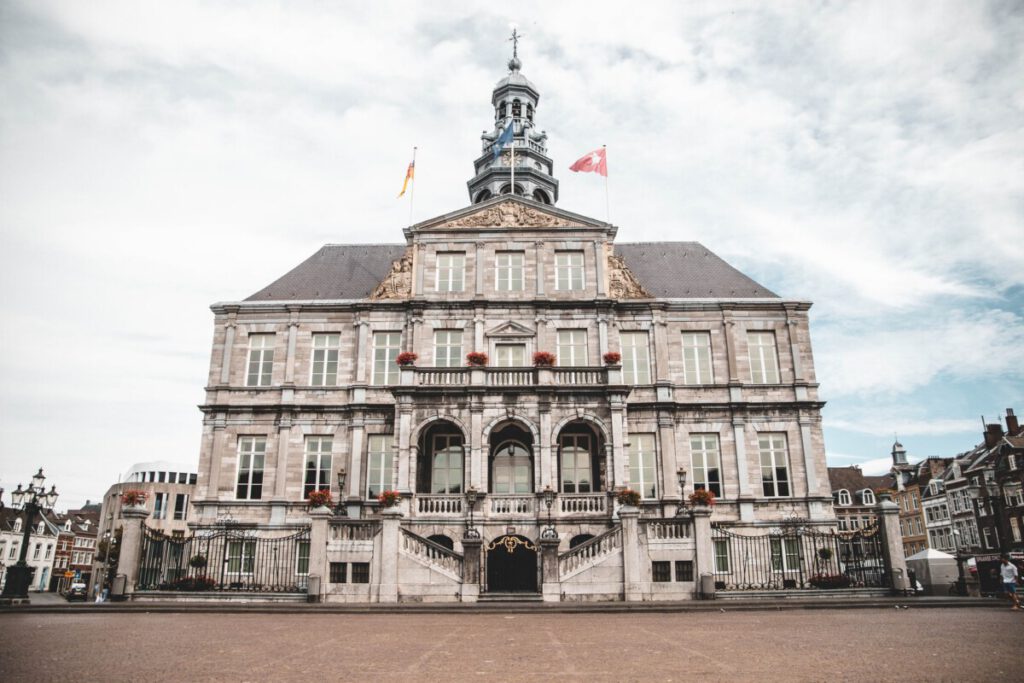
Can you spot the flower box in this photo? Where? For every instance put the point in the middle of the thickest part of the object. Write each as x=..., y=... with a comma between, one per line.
x=476, y=359
x=406, y=358
x=321, y=498
x=702, y=497
x=543, y=359
x=612, y=358
x=629, y=497
x=133, y=498
x=389, y=499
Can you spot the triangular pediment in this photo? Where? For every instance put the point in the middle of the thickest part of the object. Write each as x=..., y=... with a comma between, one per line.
x=511, y=329
x=509, y=212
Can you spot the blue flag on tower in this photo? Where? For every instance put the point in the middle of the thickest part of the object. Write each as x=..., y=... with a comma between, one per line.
x=503, y=140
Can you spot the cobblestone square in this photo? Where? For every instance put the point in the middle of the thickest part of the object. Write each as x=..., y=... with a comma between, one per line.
x=800, y=645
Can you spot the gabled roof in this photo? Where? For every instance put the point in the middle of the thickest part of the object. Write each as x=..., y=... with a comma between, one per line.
x=852, y=479
x=675, y=270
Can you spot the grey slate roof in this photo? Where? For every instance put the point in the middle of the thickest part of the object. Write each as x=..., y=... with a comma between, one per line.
x=682, y=270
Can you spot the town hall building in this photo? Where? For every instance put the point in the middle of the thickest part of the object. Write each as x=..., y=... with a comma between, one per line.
x=655, y=367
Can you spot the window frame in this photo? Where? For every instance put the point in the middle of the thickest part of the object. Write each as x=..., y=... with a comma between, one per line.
x=661, y=571
x=573, y=346
x=451, y=442
x=450, y=263
x=260, y=361
x=767, y=373
x=701, y=471
x=632, y=372
x=326, y=352
x=702, y=371
x=500, y=362
x=384, y=370
x=723, y=561
x=509, y=273
x=774, y=452
x=576, y=439
x=315, y=475
x=571, y=274
x=380, y=456
x=252, y=452
x=452, y=355
x=844, y=497
x=647, y=481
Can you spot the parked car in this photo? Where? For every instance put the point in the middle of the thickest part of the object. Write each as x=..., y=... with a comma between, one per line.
x=77, y=591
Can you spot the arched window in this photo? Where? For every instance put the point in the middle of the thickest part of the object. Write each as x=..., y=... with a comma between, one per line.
x=482, y=196
x=440, y=463
x=529, y=111
x=517, y=109
x=868, y=496
x=511, y=459
x=506, y=187
x=442, y=540
x=541, y=196
x=579, y=539
x=844, y=497
x=499, y=113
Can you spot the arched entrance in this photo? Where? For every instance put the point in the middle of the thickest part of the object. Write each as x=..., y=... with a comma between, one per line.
x=511, y=565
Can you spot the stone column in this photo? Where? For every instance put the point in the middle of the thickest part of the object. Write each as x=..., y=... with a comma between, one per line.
x=218, y=444
x=892, y=539
x=617, y=450
x=538, y=251
x=406, y=483
x=478, y=269
x=552, y=587
x=602, y=335
x=281, y=467
x=471, y=548
x=548, y=468
x=131, y=546
x=660, y=339
x=807, y=445
x=746, y=495
x=318, y=548
x=355, y=467
x=703, y=548
x=474, y=465
x=229, y=343
x=631, y=568
x=669, y=465
x=599, y=268
x=362, y=352
x=418, y=257
x=293, y=333
x=388, y=590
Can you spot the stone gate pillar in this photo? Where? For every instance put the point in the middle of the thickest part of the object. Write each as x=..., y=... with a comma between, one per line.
x=471, y=548
x=388, y=590
x=131, y=546
x=552, y=588
x=892, y=541
x=631, y=567
x=318, y=535
x=703, y=548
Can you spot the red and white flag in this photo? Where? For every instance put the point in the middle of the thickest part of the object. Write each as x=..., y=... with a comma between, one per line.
x=592, y=162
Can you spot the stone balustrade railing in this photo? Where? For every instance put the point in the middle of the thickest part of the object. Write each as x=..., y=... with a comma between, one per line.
x=431, y=553
x=591, y=551
x=511, y=376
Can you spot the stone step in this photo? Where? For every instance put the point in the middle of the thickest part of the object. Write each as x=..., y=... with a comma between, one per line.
x=511, y=597
x=804, y=594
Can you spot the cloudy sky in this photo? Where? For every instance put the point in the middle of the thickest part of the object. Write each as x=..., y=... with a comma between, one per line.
x=156, y=157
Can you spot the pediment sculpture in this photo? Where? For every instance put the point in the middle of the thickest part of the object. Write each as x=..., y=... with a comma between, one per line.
x=397, y=284
x=510, y=215
x=622, y=284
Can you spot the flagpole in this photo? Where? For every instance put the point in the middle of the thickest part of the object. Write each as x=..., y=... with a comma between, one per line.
x=607, y=210
x=412, y=190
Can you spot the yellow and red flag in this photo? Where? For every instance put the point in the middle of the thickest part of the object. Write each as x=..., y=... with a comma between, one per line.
x=408, y=177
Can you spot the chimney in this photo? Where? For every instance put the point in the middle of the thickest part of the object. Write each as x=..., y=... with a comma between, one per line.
x=1012, y=426
x=993, y=432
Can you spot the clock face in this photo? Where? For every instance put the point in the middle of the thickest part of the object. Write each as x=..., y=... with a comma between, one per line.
x=506, y=159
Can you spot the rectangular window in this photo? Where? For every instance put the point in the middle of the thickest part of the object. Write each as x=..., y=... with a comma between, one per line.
x=37, y=551
x=386, y=346
x=302, y=559
x=707, y=467
x=326, y=348
x=684, y=570
x=159, y=506
x=642, y=465
x=510, y=355
x=636, y=359
x=774, y=468
x=360, y=572
x=509, y=271
x=1011, y=461
x=14, y=551
x=450, y=271
x=180, y=506
x=569, y=270
x=381, y=457
x=448, y=348
x=697, y=358
x=721, y=555
x=339, y=572
x=318, y=464
x=1015, y=529
x=572, y=348
x=241, y=557
x=785, y=554
x=661, y=571
x=251, y=452
x=988, y=537
x=261, y=360
x=764, y=362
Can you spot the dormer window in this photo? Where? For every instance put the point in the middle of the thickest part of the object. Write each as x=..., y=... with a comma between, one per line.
x=868, y=497
x=17, y=524
x=41, y=528
x=67, y=525
x=844, y=497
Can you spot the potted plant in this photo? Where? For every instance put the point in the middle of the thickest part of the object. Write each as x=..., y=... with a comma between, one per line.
x=197, y=561
x=389, y=499
x=133, y=498
x=543, y=359
x=824, y=554
x=702, y=497
x=629, y=497
x=476, y=359
x=321, y=498
x=612, y=358
x=406, y=358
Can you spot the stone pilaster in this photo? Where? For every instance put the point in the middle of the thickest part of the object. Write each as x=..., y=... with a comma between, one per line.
x=471, y=549
x=669, y=465
x=538, y=259
x=131, y=546
x=704, y=549
x=229, y=344
x=320, y=518
x=552, y=587
x=632, y=569
x=746, y=494
x=892, y=540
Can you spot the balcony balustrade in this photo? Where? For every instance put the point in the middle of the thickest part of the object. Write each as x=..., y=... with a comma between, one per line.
x=511, y=377
x=509, y=506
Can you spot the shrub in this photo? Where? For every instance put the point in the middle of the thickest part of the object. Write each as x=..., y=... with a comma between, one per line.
x=629, y=497
x=389, y=498
x=406, y=358
x=133, y=497
x=197, y=561
x=830, y=581
x=476, y=358
x=543, y=359
x=190, y=583
x=612, y=358
x=702, y=497
x=319, y=498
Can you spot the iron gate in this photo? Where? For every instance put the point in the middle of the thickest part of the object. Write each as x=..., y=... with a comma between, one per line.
x=794, y=556
x=224, y=559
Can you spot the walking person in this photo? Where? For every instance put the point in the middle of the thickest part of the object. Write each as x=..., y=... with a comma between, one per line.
x=1009, y=574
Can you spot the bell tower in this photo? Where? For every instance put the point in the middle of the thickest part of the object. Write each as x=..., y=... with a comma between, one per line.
x=515, y=101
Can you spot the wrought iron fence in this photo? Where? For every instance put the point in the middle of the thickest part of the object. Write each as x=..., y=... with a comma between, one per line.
x=793, y=556
x=224, y=559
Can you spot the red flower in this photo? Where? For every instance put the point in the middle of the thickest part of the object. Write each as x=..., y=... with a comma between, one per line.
x=612, y=358
x=406, y=358
x=543, y=359
x=319, y=498
x=476, y=358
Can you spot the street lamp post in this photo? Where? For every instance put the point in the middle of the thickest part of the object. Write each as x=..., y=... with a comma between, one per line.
x=549, y=499
x=681, y=478
x=340, y=509
x=471, y=497
x=33, y=499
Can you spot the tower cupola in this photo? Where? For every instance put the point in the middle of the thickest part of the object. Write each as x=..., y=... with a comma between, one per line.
x=515, y=101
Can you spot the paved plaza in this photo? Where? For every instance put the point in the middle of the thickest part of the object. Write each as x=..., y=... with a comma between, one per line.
x=863, y=645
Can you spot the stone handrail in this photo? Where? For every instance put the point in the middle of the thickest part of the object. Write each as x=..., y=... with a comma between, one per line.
x=439, y=505
x=511, y=377
x=591, y=551
x=667, y=530
x=582, y=503
x=442, y=376
x=579, y=375
x=508, y=505
x=354, y=531
x=431, y=553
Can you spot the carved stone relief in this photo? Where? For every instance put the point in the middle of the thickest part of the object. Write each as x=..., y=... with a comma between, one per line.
x=397, y=284
x=510, y=215
x=622, y=284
